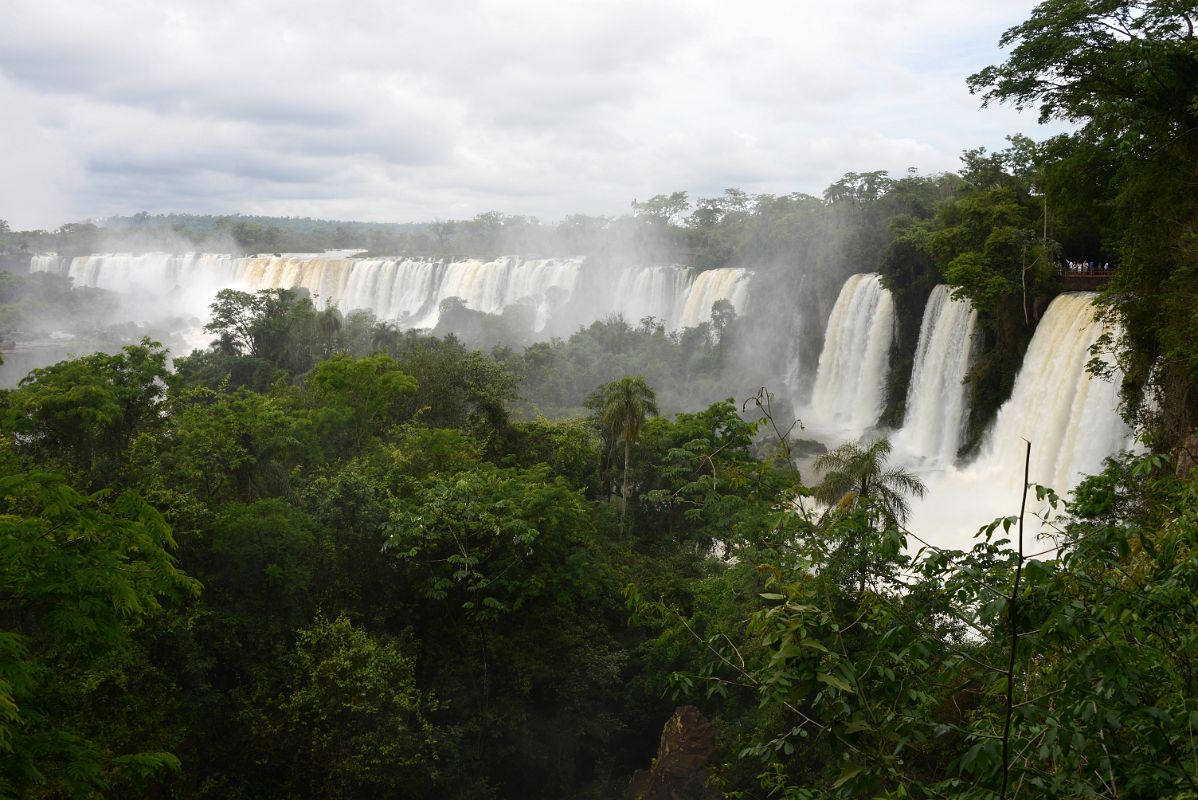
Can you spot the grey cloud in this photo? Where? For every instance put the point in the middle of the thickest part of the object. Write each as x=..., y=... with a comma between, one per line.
x=420, y=109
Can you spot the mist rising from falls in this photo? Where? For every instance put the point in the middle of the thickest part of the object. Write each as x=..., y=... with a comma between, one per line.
x=151, y=274
x=850, y=379
x=46, y=263
x=936, y=398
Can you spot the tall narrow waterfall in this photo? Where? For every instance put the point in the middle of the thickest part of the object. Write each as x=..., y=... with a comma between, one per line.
x=851, y=376
x=1070, y=417
x=935, y=419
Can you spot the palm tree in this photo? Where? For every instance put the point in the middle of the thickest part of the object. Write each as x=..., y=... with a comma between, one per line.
x=626, y=404
x=859, y=476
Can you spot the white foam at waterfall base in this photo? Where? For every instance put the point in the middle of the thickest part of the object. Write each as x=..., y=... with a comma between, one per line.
x=851, y=376
x=934, y=426
x=1070, y=417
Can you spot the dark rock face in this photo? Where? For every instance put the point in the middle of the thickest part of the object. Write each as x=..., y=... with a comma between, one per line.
x=1187, y=456
x=683, y=767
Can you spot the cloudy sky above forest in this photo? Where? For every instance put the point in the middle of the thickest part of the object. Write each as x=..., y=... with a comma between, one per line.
x=411, y=110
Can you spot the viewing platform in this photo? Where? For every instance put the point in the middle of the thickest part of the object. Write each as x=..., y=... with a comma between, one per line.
x=1086, y=279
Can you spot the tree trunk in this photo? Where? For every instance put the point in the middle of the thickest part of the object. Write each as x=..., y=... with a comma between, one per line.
x=624, y=488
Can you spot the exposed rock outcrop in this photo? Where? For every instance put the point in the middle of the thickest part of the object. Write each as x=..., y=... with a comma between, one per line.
x=683, y=769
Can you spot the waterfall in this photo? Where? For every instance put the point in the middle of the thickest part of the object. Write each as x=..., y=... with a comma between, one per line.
x=325, y=278
x=48, y=262
x=402, y=290
x=409, y=291
x=673, y=297
x=1070, y=417
x=157, y=282
x=731, y=284
x=651, y=292
x=936, y=409
x=406, y=291
x=851, y=375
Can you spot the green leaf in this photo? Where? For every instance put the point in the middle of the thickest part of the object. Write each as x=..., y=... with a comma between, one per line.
x=847, y=775
x=833, y=681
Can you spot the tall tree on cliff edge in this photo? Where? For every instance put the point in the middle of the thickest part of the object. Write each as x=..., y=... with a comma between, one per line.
x=1127, y=73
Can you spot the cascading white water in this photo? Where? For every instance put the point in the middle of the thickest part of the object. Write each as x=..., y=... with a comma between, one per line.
x=402, y=290
x=159, y=282
x=410, y=291
x=935, y=418
x=851, y=375
x=48, y=262
x=325, y=278
x=728, y=283
x=676, y=299
x=1070, y=417
x=651, y=292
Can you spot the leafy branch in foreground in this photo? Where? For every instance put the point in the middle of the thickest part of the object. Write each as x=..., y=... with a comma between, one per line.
x=980, y=673
x=78, y=575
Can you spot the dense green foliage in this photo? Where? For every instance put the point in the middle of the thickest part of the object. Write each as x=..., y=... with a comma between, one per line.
x=327, y=558
x=410, y=597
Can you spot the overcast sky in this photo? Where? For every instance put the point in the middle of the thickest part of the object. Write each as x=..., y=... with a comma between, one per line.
x=407, y=110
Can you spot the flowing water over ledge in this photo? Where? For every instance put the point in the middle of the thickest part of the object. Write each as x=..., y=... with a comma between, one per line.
x=409, y=291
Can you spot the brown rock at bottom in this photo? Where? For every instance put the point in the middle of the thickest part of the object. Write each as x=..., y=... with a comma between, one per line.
x=683, y=768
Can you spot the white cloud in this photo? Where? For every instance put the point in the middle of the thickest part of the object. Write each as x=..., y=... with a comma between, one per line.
x=382, y=110
x=39, y=168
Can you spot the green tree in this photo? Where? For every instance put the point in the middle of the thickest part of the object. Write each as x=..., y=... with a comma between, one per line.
x=625, y=405
x=859, y=476
x=222, y=446
x=352, y=723
x=662, y=209
x=364, y=394
x=280, y=326
x=455, y=386
x=1126, y=73
x=79, y=575
x=705, y=484
x=81, y=416
x=479, y=533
